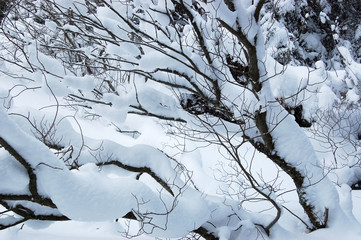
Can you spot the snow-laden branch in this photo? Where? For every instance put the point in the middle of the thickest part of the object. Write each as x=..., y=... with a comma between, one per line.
x=95, y=196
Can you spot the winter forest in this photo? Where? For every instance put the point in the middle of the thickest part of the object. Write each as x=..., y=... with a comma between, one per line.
x=180, y=119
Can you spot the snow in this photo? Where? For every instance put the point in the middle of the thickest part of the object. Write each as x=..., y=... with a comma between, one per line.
x=285, y=5
x=67, y=230
x=326, y=97
x=98, y=198
x=205, y=187
x=15, y=180
x=303, y=158
x=90, y=200
x=18, y=139
x=323, y=17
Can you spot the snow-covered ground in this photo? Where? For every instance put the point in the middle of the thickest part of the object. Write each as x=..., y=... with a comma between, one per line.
x=72, y=230
x=287, y=229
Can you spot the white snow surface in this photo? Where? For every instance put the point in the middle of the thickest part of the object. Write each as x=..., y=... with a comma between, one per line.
x=94, y=195
x=85, y=195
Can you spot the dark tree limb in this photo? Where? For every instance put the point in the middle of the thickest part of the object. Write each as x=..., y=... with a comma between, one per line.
x=252, y=55
x=33, y=187
x=144, y=112
x=26, y=214
x=267, y=147
x=139, y=170
x=89, y=100
x=205, y=234
x=258, y=9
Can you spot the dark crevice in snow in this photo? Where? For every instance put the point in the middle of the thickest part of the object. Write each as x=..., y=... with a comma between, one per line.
x=196, y=105
x=356, y=186
x=297, y=112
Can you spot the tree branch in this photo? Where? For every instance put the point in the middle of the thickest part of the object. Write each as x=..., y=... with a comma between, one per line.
x=205, y=234
x=33, y=188
x=140, y=170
